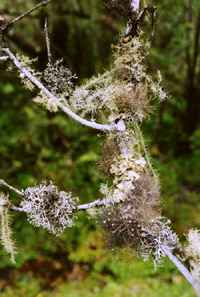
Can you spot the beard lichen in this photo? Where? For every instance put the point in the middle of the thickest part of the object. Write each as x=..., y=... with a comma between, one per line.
x=126, y=89
x=6, y=231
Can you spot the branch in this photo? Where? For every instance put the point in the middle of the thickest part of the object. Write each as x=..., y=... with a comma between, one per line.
x=135, y=5
x=95, y=203
x=4, y=58
x=182, y=269
x=64, y=108
x=2, y=182
x=9, y=24
x=11, y=206
x=99, y=203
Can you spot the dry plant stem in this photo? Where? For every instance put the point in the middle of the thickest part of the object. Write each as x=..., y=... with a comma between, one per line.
x=47, y=41
x=182, y=269
x=153, y=28
x=51, y=96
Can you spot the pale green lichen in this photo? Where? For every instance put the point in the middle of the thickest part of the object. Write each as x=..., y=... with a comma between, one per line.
x=193, y=252
x=92, y=212
x=126, y=89
x=27, y=62
x=51, y=104
x=126, y=172
x=6, y=232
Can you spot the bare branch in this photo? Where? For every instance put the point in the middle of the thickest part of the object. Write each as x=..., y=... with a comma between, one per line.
x=2, y=182
x=3, y=58
x=9, y=24
x=64, y=108
x=153, y=26
x=47, y=41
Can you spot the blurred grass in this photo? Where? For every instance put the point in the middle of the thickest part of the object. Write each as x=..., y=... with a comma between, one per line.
x=126, y=277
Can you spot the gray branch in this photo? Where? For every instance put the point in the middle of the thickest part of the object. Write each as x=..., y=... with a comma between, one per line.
x=9, y=24
x=182, y=269
x=51, y=96
x=4, y=58
x=11, y=206
x=2, y=182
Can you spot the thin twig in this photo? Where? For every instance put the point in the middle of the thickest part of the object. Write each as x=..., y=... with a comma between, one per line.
x=2, y=182
x=153, y=27
x=182, y=269
x=11, y=206
x=47, y=41
x=96, y=203
x=3, y=58
x=51, y=96
x=9, y=24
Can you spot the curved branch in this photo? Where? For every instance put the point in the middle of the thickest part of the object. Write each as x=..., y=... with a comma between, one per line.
x=51, y=96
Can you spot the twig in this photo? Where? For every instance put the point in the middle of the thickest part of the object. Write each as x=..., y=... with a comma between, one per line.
x=182, y=269
x=11, y=206
x=154, y=13
x=95, y=203
x=64, y=108
x=9, y=24
x=47, y=41
x=4, y=58
x=2, y=182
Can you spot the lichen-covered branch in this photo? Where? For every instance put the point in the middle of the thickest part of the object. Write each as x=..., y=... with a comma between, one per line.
x=182, y=269
x=130, y=213
x=52, y=97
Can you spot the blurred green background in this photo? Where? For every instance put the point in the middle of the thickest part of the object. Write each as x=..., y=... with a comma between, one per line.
x=37, y=145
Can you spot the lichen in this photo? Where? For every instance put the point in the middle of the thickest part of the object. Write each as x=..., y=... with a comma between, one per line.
x=6, y=232
x=47, y=207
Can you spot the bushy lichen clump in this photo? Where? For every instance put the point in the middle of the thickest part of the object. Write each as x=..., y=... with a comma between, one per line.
x=49, y=208
x=58, y=78
x=126, y=89
x=136, y=223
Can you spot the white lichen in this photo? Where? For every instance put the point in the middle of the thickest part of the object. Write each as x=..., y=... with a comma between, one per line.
x=47, y=207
